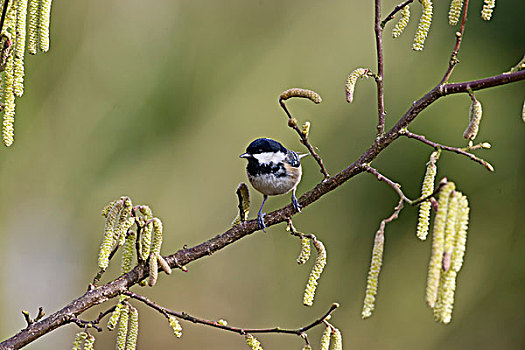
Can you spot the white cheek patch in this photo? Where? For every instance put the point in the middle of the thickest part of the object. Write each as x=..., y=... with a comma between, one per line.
x=270, y=157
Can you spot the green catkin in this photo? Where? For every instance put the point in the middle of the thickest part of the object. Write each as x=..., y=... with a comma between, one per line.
x=79, y=339
x=338, y=339
x=488, y=8
x=153, y=270
x=21, y=15
x=89, y=344
x=252, y=342
x=325, y=339
x=445, y=304
x=400, y=26
x=305, y=251
x=115, y=315
x=307, y=347
x=8, y=124
x=351, y=81
x=32, y=28
x=315, y=274
x=523, y=112
x=461, y=239
x=43, y=33
x=127, y=252
x=123, y=328
x=122, y=229
x=146, y=240
x=424, y=25
x=109, y=235
x=426, y=190
x=455, y=11
x=474, y=117
x=450, y=230
x=435, y=264
x=373, y=275
x=175, y=326
x=304, y=93
x=306, y=129
x=131, y=342
x=157, y=236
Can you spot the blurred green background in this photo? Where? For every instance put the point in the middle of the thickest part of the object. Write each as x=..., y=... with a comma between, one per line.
x=156, y=100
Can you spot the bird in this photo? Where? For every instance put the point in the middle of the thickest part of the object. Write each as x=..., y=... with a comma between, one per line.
x=272, y=170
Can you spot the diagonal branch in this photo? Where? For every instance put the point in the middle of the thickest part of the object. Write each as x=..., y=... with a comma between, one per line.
x=185, y=256
x=182, y=315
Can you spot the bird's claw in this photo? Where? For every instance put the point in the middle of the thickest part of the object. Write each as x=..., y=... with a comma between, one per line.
x=296, y=204
x=260, y=221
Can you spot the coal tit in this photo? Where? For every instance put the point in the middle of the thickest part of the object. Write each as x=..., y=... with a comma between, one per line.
x=272, y=170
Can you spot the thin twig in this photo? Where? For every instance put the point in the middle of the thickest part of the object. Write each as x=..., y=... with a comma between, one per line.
x=392, y=217
x=394, y=12
x=459, y=37
x=182, y=315
x=379, y=80
x=84, y=324
x=457, y=150
x=4, y=11
x=292, y=122
x=394, y=185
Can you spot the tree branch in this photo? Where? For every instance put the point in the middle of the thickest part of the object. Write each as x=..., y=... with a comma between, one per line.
x=394, y=12
x=185, y=256
x=379, y=79
x=242, y=331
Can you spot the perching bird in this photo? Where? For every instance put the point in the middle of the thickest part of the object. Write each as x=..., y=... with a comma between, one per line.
x=272, y=170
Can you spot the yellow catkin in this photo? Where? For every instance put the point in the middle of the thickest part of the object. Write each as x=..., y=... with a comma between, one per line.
x=122, y=229
x=79, y=340
x=424, y=25
x=89, y=344
x=337, y=339
x=304, y=93
x=43, y=33
x=373, y=275
x=325, y=339
x=175, y=326
x=307, y=347
x=131, y=342
x=127, y=252
x=222, y=322
x=488, y=8
x=253, y=343
x=450, y=230
x=305, y=251
x=21, y=15
x=8, y=124
x=146, y=240
x=400, y=26
x=109, y=235
x=115, y=315
x=438, y=245
x=243, y=195
x=32, y=28
x=461, y=238
x=157, y=236
x=315, y=274
x=455, y=11
x=352, y=80
x=123, y=328
x=474, y=117
x=445, y=302
x=153, y=270
x=426, y=190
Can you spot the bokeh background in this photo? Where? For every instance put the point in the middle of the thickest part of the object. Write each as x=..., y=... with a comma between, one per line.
x=156, y=99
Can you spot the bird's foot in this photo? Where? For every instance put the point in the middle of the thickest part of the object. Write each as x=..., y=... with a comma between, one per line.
x=296, y=204
x=260, y=220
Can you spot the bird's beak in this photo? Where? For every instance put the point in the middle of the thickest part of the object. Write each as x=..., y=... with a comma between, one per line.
x=245, y=155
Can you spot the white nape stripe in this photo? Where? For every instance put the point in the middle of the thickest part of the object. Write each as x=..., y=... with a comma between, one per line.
x=270, y=157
